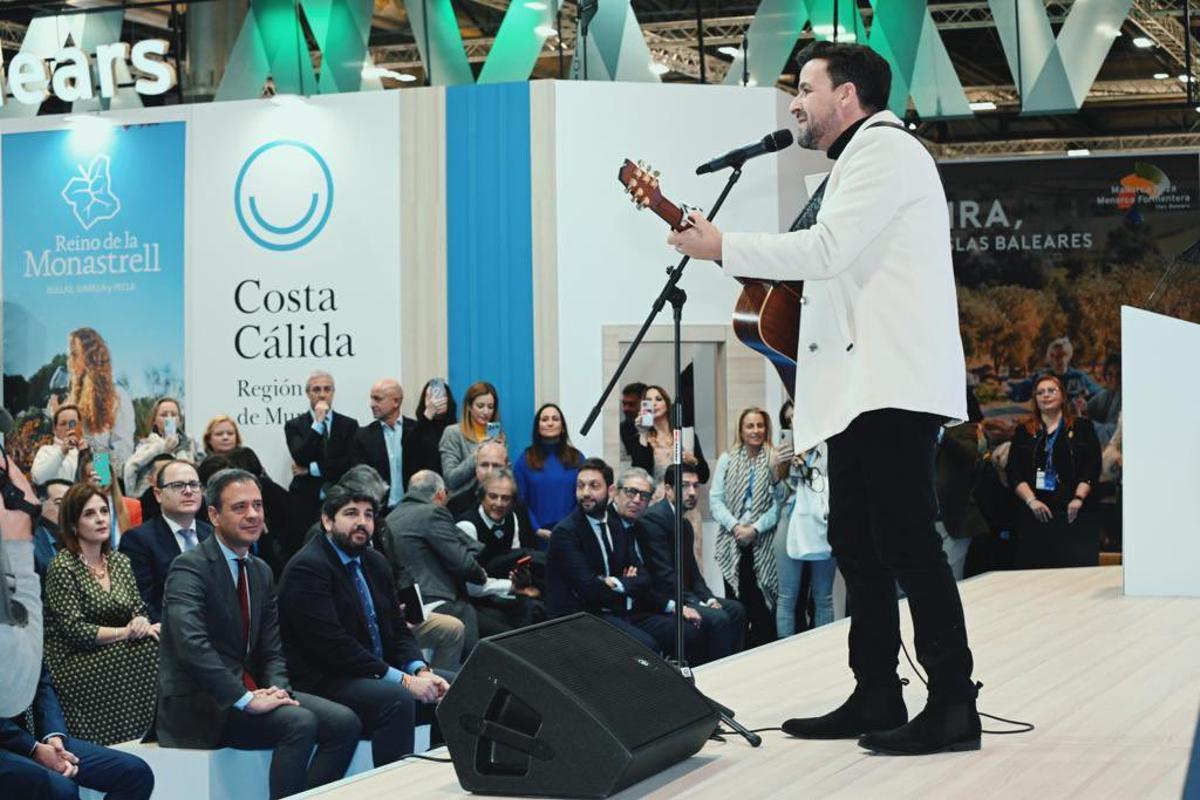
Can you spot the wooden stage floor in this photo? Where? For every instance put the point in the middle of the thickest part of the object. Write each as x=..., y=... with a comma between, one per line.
x=1111, y=682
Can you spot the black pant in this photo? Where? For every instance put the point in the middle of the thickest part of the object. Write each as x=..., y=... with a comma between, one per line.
x=291, y=731
x=655, y=631
x=759, y=617
x=723, y=629
x=882, y=507
x=386, y=710
x=1058, y=543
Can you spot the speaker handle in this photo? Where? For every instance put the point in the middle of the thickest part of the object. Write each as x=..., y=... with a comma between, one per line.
x=494, y=731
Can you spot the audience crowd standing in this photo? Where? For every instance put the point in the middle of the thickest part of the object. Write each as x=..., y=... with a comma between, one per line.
x=341, y=607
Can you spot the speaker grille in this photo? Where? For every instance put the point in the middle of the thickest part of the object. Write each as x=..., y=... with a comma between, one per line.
x=636, y=694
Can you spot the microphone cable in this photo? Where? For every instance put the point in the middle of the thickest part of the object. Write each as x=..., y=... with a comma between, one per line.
x=1021, y=727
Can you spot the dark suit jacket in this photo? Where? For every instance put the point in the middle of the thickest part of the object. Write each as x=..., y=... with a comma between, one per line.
x=957, y=468
x=440, y=557
x=324, y=626
x=659, y=551
x=575, y=569
x=46, y=545
x=151, y=547
x=370, y=448
x=332, y=455
x=47, y=719
x=202, y=653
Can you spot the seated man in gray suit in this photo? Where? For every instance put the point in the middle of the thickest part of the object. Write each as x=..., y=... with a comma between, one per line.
x=443, y=560
x=222, y=680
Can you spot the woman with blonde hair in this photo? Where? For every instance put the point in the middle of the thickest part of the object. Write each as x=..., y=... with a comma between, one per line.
x=481, y=406
x=743, y=503
x=165, y=437
x=221, y=436
x=100, y=644
x=105, y=408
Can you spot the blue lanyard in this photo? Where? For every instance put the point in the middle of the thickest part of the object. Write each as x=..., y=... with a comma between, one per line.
x=1050, y=440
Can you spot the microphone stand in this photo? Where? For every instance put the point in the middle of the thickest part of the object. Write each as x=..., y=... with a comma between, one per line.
x=671, y=293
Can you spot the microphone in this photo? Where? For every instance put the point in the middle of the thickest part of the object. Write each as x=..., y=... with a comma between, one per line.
x=735, y=158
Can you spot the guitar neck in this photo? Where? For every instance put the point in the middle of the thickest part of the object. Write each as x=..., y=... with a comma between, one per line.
x=669, y=213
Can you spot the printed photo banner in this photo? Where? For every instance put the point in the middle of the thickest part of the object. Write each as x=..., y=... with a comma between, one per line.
x=93, y=222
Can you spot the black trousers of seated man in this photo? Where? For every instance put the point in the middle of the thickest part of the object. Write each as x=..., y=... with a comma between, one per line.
x=292, y=731
x=882, y=508
x=388, y=712
x=657, y=632
x=487, y=616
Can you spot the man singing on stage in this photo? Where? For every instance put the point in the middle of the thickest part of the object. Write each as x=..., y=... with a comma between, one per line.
x=880, y=369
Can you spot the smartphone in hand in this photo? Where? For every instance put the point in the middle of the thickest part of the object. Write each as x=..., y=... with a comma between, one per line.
x=646, y=417
x=170, y=426
x=102, y=463
x=493, y=430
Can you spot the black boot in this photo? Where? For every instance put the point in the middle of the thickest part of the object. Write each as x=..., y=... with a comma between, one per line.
x=938, y=728
x=869, y=708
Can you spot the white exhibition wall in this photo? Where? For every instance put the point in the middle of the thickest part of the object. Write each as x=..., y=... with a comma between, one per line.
x=1160, y=454
x=270, y=305
x=612, y=260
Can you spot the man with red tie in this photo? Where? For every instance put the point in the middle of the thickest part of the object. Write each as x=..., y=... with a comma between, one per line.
x=222, y=679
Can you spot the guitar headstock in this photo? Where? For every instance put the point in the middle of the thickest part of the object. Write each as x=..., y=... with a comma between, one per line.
x=642, y=185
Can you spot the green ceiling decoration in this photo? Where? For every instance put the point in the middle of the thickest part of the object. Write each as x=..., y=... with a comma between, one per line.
x=1054, y=76
x=271, y=44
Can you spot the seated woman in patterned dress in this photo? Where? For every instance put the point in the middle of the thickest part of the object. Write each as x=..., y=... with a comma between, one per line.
x=100, y=646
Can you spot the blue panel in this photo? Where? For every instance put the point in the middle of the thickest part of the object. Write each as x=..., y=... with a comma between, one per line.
x=489, y=253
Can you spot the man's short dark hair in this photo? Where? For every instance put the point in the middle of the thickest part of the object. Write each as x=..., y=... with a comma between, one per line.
x=160, y=482
x=857, y=64
x=598, y=465
x=637, y=387
x=341, y=495
x=245, y=458
x=217, y=483
x=211, y=466
x=686, y=469
x=43, y=489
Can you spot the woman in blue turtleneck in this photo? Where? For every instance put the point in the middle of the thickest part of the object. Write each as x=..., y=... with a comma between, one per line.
x=546, y=471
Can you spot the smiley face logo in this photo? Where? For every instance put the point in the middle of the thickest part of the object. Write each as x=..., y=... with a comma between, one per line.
x=283, y=195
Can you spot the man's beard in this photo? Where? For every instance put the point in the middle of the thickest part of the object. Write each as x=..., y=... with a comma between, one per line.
x=348, y=545
x=809, y=137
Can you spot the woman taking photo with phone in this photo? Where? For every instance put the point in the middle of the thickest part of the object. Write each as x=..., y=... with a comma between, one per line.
x=436, y=411
x=100, y=646
x=60, y=458
x=166, y=435
x=480, y=422
x=652, y=450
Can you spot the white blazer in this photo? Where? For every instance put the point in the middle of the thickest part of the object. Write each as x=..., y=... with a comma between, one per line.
x=879, y=323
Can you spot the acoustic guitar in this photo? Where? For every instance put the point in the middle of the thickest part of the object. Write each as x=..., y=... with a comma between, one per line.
x=766, y=317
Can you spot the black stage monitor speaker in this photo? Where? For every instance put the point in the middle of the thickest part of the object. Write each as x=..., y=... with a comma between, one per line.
x=569, y=708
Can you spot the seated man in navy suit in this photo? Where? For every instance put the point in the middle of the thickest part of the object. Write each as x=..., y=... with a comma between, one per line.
x=153, y=545
x=47, y=763
x=593, y=563
x=723, y=619
x=344, y=635
x=46, y=543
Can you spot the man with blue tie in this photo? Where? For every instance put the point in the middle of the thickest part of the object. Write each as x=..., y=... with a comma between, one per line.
x=153, y=545
x=222, y=678
x=343, y=634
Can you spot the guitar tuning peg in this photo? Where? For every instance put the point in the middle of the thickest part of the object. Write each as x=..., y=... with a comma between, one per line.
x=656, y=173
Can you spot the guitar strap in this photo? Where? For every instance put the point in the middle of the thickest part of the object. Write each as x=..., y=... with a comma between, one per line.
x=808, y=215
